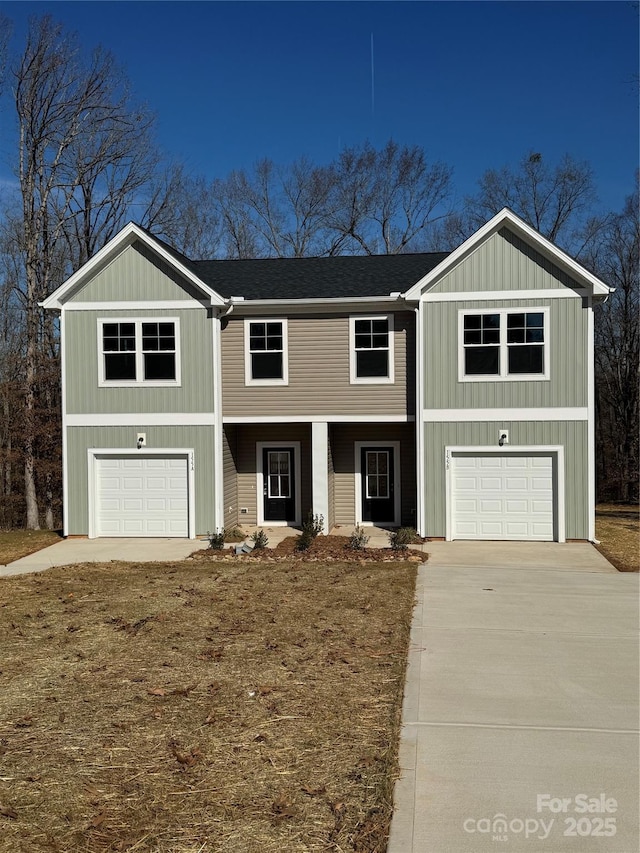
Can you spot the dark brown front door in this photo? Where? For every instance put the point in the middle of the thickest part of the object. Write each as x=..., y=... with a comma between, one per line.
x=279, y=484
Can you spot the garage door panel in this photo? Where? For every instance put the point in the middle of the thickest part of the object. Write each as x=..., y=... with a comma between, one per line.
x=510, y=496
x=145, y=496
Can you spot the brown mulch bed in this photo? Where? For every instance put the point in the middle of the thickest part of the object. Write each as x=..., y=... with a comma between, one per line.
x=328, y=548
x=219, y=705
x=618, y=529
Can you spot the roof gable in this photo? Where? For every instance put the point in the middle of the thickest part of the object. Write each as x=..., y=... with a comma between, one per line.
x=506, y=219
x=130, y=234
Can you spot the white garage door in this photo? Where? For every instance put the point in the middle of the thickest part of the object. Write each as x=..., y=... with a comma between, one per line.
x=502, y=496
x=142, y=496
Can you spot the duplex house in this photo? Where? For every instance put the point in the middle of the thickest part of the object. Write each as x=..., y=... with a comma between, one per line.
x=452, y=392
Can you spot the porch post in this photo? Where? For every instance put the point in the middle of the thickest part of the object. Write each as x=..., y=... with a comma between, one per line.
x=320, y=471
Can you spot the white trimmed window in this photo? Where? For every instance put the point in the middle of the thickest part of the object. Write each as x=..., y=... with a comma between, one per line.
x=371, y=349
x=266, y=352
x=503, y=344
x=139, y=352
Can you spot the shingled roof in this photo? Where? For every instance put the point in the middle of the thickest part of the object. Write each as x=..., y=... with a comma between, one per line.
x=312, y=278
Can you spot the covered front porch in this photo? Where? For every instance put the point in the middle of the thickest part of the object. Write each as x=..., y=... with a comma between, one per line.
x=275, y=474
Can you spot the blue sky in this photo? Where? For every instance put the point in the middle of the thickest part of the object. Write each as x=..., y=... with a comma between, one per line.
x=476, y=84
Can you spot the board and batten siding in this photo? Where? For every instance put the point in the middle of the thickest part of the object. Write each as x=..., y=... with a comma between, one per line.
x=84, y=395
x=248, y=435
x=567, y=350
x=572, y=435
x=136, y=274
x=80, y=439
x=319, y=379
x=503, y=262
x=343, y=438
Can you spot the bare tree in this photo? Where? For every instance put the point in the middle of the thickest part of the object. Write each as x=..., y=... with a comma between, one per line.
x=556, y=199
x=616, y=260
x=384, y=200
x=368, y=201
x=78, y=168
x=185, y=211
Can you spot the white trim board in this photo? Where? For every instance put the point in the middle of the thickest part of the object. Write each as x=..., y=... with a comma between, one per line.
x=94, y=452
x=143, y=419
x=496, y=295
x=309, y=419
x=439, y=416
x=554, y=450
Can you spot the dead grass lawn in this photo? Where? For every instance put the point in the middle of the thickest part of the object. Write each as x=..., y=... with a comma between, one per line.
x=18, y=543
x=618, y=529
x=201, y=706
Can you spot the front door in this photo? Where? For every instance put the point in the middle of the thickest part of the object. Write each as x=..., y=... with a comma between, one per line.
x=278, y=484
x=378, y=498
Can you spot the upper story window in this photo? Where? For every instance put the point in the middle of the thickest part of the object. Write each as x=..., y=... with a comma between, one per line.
x=139, y=352
x=266, y=352
x=371, y=349
x=504, y=344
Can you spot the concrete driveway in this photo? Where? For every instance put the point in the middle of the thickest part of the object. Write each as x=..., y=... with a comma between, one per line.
x=69, y=551
x=520, y=718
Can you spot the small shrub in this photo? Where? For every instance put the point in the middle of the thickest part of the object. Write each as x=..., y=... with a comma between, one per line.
x=358, y=539
x=259, y=539
x=401, y=538
x=311, y=528
x=234, y=534
x=216, y=540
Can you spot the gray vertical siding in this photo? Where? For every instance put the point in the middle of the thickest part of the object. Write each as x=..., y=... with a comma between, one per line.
x=571, y=435
x=567, y=385
x=343, y=439
x=195, y=394
x=136, y=274
x=503, y=262
x=230, y=475
x=200, y=438
x=319, y=380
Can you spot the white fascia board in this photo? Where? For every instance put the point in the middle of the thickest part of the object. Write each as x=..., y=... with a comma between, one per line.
x=301, y=306
x=530, y=235
x=124, y=238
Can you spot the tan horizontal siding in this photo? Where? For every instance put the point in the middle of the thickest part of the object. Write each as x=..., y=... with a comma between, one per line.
x=247, y=437
x=319, y=382
x=230, y=475
x=343, y=438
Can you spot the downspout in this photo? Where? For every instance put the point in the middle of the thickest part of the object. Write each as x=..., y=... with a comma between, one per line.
x=219, y=427
x=419, y=374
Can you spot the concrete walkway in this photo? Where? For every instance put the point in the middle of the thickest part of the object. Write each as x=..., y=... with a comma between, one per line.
x=522, y=686
x=69, y=551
